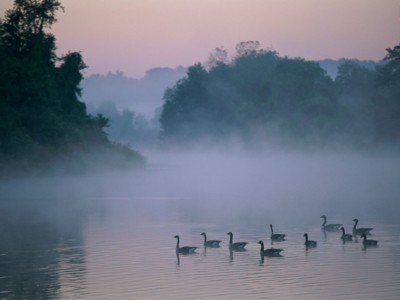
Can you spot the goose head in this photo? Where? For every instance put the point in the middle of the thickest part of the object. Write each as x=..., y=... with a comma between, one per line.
x=260, y=242
x=203, y=233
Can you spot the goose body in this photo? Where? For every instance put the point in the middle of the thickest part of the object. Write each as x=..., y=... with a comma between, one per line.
x=270, y=251
x=277, y=237
x=185, y=249
x=309, y=243
x=345, y=237
x=329, y=227
x=210, y=243
x=235, y=246
x=360, y=231
x=367, y=242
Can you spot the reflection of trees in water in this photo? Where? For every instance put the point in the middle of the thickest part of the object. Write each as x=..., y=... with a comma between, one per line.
x=41, y=245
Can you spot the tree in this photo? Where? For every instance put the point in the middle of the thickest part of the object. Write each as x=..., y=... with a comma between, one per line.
x=24, y=25
x=354, y=80
x=248, y=48
x=260, y=96
x=390, y=72
x=248, y=97
x=184, y=104
x=218, y=57
x=42, y=117
x=386, y=100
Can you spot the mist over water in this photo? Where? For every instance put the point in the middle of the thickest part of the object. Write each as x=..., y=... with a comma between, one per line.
x=110, y=234
x=293, y=188
x=221, y=187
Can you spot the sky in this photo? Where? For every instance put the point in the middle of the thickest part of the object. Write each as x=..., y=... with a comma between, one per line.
x=134, y=36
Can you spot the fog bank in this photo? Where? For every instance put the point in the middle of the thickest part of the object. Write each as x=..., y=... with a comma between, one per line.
x=228, y=189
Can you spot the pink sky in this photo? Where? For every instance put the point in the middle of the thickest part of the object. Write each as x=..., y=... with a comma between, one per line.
x=136, y=35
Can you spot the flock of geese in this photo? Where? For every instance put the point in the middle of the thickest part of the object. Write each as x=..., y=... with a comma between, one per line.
x=279, y=237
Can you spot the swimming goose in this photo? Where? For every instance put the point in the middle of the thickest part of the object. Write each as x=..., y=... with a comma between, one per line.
x=329, y=227
x=237, y=245
x=185, y=249
x=368, y=242
x=276, y=236
x=309, y=243
x=345, y=237
x=210, y=243
x=270, y=251
x=360, y=231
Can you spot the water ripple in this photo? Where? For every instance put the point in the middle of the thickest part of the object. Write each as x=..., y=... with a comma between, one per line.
x=133, y=257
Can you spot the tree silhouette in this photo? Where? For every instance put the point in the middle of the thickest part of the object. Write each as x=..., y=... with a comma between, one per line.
x=42, y=117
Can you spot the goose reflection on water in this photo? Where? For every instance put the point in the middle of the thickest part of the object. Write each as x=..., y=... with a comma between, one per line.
x=230, y=255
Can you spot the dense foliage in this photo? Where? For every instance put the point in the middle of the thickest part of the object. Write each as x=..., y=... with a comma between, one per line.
x=258, y=97
x=42, y=120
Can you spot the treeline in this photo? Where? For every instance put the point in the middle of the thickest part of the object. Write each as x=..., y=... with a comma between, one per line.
x=258, y=97
x=43, y=123
x=128, y=127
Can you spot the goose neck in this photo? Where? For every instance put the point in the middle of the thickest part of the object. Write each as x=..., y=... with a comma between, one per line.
x=355, y=224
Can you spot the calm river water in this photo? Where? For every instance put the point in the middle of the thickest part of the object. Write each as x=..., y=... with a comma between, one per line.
x=111, y=236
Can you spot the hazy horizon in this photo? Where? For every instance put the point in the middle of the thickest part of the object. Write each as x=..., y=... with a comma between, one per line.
x=142, y=35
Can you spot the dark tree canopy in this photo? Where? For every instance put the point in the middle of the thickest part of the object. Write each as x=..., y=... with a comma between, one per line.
x=386, y=100
x=260, y=97
x=42, y=119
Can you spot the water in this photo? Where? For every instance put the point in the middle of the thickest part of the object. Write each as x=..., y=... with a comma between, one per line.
x=111, y=236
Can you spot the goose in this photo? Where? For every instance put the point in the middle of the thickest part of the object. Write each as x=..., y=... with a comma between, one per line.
x=360, y=231
x=309, y=243
x=345, y=237
x=270, y=251
x=210, y=243
x=185, y=249
x=276, y=236
x=235, y=246
x=368, y=242
x=329, y=227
